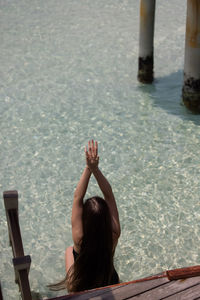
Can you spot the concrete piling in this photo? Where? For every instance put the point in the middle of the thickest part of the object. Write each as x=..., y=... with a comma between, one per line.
x=191, y=86
x=145, y=61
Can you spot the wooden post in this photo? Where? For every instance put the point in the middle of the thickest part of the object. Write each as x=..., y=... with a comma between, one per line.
x=1, y=296
x=21, y=263
x=22, y=266
x=11, y=207
x=145, y=62
x=191, y=87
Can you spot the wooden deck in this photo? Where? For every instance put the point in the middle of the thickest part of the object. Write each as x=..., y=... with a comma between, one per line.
x=152, y=288
x=178, y=284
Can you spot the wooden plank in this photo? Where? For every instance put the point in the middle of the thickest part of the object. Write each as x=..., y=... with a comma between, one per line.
x=169, y=289
x=91, y=293
x=183, y=272
x=83, y=295
x=101, y=290
x=106, y=290
x=188, y=294
x=119, y=291
x=133, y=289
x=143, y=288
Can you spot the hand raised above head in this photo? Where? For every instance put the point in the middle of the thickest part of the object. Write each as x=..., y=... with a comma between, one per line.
x=92, y=158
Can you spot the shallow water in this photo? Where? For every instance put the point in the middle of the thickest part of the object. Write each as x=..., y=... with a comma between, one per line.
x=69, y=73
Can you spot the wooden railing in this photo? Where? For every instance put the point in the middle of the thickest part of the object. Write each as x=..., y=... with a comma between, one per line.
x=21, y=262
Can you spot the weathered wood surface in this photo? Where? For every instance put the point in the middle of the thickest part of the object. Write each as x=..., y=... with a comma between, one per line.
x=192, y=293
x=132, y=289
x=156, y=289
x=169, y=289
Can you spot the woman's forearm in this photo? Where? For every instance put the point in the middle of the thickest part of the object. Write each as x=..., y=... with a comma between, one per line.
x=82, y=185
x=106, y=189
x=103, y=183
x=77, y=207
x=109, y=198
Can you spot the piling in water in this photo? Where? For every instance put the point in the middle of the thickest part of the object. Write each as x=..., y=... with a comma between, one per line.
x=145, y=61
x=191, y=87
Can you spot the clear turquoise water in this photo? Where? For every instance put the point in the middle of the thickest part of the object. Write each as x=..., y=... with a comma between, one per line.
x=69, y=73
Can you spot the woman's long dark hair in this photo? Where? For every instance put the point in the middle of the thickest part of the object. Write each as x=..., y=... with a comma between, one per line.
x=94, y=265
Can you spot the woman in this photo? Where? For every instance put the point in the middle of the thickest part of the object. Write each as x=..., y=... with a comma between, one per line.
x=95, y=231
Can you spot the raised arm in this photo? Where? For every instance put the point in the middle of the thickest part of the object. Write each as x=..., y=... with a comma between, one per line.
x=77, y=208
x=92, y=162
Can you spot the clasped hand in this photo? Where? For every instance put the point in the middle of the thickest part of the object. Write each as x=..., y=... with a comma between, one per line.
x=91, y=155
